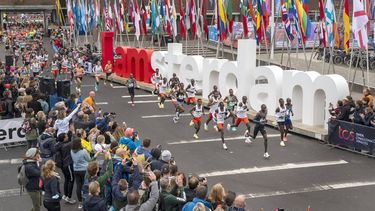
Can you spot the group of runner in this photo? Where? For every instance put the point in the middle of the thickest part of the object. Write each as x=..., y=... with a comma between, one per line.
x=220, y=109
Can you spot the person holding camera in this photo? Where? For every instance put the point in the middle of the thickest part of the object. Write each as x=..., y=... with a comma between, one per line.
x=168, y=201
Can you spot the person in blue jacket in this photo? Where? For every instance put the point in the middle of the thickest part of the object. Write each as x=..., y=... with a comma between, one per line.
x=200, y=197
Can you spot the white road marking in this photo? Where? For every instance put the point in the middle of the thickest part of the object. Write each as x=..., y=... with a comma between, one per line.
x=119, y=87
x=166, y=115
x=102, y=103
x=147, y=101
x=315, y=188
x=194, y=141
x=87, y=85
x=11, y=161
x=285, y=166
x=11, y=192
x=127, y=96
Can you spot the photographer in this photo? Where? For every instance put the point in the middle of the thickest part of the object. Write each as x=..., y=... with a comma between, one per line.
x=130, y=141
x=102, y=123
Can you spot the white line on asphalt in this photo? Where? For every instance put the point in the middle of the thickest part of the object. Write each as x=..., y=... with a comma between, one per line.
x=311, y=189
x=102, y=103
x=147, y=101
x=216, y=139
x=285, y=166
x=11, y=161
x=87, y=85
x=166, y=115
x=127, y=96
x=119, y=87
x=10, y=192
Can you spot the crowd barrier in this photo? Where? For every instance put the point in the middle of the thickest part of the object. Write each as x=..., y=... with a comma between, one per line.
x=353, y=136
x=11, y=133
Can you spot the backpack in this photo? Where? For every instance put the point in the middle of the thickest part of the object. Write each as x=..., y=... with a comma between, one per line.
x=22, y=178
x=85, y=187
x=3, y=107
x=26, y=128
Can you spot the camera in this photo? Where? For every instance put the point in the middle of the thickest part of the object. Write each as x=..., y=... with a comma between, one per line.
x=201, y=179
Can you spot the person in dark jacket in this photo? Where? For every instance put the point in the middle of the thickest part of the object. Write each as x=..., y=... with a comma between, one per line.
x=344, y=111
x=94, y=202
x=166, y=157
x=63, y=147
x=51, y=187
x=32, y=171
x=359, y=109
x=201, y=195
x=193, y=183
x=169, y=201
x=8, y=100
x=46, y=144
x=34, y=104
x=239, y=204
x=368, y=117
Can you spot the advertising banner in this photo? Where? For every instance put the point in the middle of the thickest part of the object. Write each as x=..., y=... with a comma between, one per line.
x=352, y=135
x=11, y=131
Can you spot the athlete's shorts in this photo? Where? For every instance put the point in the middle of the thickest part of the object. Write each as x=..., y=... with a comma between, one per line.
x=54, y=72
x=162, y=95
x=220, y=126
x=210, y=115
x=244, y=120
x=131, y=91
x=64, y=69
x=108, y=74
x=197, y=120
x=179, y=103
x=191, y=100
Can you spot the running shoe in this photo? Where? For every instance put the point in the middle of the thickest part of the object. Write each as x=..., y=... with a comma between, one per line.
x=285, y=138
x=158, y=98
x=191, y=123
x=105, y=84
x=234, y=129
x=111, y=84
x=266, y=155
x=70, y=200
x=64, y=198
x=96, y=88
x=162, y=105
x=282, y=144
x=248, y=140
x=228, y=127
x=80, y=205
x=217, y=129
x=175, y=120
x=195, y=136
x=133, y=104
x=225, y=146
x=205, y=127
x=159, y=104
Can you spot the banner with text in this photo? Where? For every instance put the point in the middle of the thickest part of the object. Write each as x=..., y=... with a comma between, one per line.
x=11, y=131
x=352, y=135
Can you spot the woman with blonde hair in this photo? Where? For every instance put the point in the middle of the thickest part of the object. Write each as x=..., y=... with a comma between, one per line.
x=42, y=121
x=94, y=202
x=118, y=133
x=217, y=196
x=86, y=144
x=51, y=186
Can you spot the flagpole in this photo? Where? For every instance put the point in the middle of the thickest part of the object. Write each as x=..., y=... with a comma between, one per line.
x=265, y=41
x=272, y=24
x=350, y=69
x=197, y=14
x=368, y=69
x=312, y=52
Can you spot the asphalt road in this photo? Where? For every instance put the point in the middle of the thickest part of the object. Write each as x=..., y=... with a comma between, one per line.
x=304, y=173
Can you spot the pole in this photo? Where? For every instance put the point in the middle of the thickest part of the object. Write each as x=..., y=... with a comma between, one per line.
x=324, y=60
x=265, y=40
x=350, y=68
x=308, y=68
x=272, y=24
x=368, y=69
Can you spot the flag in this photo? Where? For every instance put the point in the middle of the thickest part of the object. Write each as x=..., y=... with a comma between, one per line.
x=229, y=11
x=187, y=16
x=75, y=12
x=70, y=14
x=192, y=17
x=121, y=15
x=222, y=21
x=258, y=19
x=168, y=18
x=346, y=26
x=243, y=9
x=322, y=24
x=117, y=17
x=359, y=24
x=174, y=20
x=144, y=17
x=331, y=24
x=98, y=15
x=137, y=19
x=182, y=24
x=58, y=9
x=286, y=21
x=155, y=17
x=304, y=21
x=265, y=13
x=203, y=20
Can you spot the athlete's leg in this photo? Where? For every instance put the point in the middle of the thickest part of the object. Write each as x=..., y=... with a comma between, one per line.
x=264, y=134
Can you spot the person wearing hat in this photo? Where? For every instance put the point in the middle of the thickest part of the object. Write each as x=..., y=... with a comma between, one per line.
x=130, y=141
x=166, y=157
x=32, y=171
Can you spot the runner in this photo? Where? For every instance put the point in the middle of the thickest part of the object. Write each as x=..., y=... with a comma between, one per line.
x=221, y=114
x=54, y=68
x=215, y=91
x=64, y=65
x=213, y=104
x=173, y=81
x=197, y=112
x=288, y=119
x=231, y=101
x=131, y=83
x=180, y=97
x=79, y=76
x=108, y=72
x=241, y=114
x=260, y=121
x=163, y=92
x=155, y=80
x=97, y=73
x=190, y=91
x=280, y=119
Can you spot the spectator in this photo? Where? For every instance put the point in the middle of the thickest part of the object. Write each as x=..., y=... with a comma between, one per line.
x=7, y=105
x=239, y=204
x=90, y=100
x=34, y=104
x=133, y=197
x=118, y=133
x=86, y=143
x=80, y=159
x=93, y=170
x=32, y=171
x=229, y=198
x=168, y=201
x=368, y=117
x=51, y=187
x=63, y=147
x=335, y=111
x=217, y=196
x=42, y=122
x=144, y=152
x=30, y=128
x=158, y=163
x=127, y=141
x=62, y=122
x=94, y=201
x=193, y=183
x=359, y=109
x=201, y=194
x=344, y=111
x=43, y=102
x=367, y=93
x=46, y=144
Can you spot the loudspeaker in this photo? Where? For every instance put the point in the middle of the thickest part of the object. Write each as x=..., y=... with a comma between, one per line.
x=8, y=60
x=47, y=85
x=63, y=88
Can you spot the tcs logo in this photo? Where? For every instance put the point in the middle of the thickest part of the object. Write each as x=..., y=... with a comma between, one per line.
x=346, y=135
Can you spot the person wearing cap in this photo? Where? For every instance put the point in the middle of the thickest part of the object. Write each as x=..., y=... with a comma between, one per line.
x=128, y=142
x=166, y=157
x=32, y=171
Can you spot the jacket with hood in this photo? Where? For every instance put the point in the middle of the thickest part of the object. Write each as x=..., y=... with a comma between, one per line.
x=150, y=203
x=52, y=189
x=95, y=203
x=189, y=206
x=129, y=143
x=64, y=148
x=120, y=198
x=46, y=144
x=32, y=172
x=102, y=179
